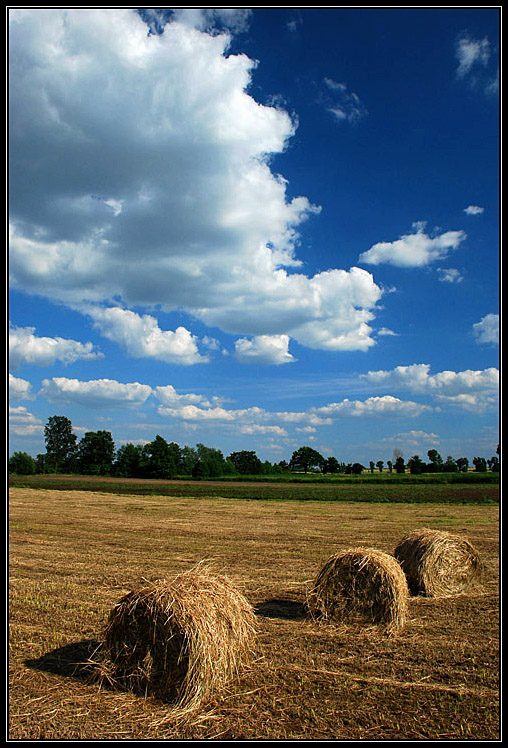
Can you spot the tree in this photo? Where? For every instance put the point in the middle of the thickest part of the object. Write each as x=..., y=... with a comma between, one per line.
x=436, y=461
x=379, y=465
x=306, y=458
x=246, y=463
x=371, y=466
x=416, y=465
x=60, y=442
x=480, y=464
x=357, y=468
x=450, y=466
x=331, y=465
x=390, y=465
x=188, y=459
x=211, y=462
x=462, y=464
x=159, y=459
x=399, y=465
x=128, y=461
x=494, y=464
x=95, y=453
x=22, y=463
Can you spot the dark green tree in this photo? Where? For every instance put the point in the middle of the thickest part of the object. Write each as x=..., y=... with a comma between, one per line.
x=305, y=459
x=416, y=465
x=436, y=461
x=494, y=464
x=357, y=468
x=128, y=461
x=480, y=464
x=399, y=465
x=212, y=463
x=95, y=454
x=450, y=465
x=462, y=464
x=60, y=443
x=390, y=465
x=380, y=465
x=188, y=459
x=21, y=463
x=331, y=465
x=246, y=463
x=159, y=459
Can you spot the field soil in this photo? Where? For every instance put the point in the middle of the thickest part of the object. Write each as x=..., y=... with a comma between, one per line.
x=74, y=554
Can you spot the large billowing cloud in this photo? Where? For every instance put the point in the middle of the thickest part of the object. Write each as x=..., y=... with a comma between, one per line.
x=140, y=176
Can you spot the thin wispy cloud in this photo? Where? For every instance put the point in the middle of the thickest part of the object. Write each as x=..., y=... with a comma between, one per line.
x=449, y=275
x=343, y=105
x=474, y=210
x=476, y=64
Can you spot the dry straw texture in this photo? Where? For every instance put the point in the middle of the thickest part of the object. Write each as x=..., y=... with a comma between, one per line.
x=437, y=563
x=180, y=640
x=361, y=584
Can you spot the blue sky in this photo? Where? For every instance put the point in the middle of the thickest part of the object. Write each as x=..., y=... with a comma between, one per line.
x=256, y=229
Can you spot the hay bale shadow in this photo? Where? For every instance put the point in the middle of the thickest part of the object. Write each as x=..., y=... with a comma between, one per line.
x=76, y=660
x=281, y=608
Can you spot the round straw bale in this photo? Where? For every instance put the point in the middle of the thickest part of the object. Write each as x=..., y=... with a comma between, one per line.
x=361, y=583
x=180, y=640
x=437, y=563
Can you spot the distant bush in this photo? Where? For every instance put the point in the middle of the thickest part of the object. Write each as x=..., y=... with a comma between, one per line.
x=21, y=463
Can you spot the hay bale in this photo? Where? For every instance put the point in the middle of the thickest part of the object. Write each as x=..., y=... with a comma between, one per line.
x=180, y=640
x=361, y=583
x=437, y=563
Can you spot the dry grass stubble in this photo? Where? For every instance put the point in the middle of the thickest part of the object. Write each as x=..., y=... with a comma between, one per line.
x=73, y=555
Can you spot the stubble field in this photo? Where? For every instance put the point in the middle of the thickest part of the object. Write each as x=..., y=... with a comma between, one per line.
x=74, y=554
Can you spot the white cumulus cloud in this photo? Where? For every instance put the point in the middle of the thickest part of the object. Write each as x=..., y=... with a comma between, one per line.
x=143, y=338
x=24, y=423
x=96, y=393
x=372, y=406
x=413, y=250
x=487, y=329
x=469, y=388
x=264, y=349
x=27, y=348
x=19, y=389
x=149, y=183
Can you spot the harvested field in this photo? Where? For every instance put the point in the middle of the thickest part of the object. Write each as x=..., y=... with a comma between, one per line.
x=74, y=554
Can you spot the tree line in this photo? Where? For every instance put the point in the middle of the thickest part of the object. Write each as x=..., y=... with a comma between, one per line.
x=96, y=454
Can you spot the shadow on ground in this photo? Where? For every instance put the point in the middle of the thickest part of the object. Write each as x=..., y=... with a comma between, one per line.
x=280, y=608
x=75, y=660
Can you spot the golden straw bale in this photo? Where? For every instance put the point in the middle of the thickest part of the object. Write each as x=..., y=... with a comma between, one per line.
x=437, y=563
x=361, y=584
x=179, y=640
